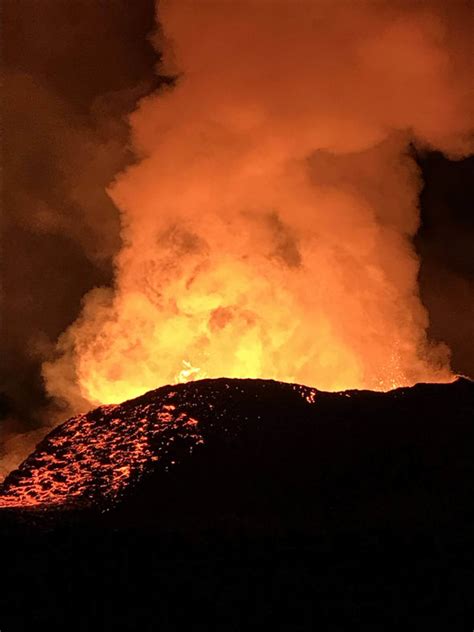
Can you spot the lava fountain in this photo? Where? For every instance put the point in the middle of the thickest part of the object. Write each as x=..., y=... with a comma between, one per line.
x=267, y=222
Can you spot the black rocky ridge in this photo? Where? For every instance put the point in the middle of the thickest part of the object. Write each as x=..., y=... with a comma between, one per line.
x=248, y=502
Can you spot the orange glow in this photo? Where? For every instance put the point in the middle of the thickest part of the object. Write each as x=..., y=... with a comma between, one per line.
x=92, y=459
x=267, y=224
x=188, y=373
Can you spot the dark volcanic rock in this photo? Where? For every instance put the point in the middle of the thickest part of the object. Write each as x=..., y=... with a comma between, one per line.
x=257, y=453
x=242, y=504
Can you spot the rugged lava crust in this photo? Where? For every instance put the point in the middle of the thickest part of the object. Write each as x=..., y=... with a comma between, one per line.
x=250, y=451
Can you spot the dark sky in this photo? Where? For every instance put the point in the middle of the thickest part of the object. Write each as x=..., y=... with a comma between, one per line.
x=73, y=71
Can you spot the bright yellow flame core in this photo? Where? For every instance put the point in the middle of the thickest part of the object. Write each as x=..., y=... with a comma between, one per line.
x=235, y=319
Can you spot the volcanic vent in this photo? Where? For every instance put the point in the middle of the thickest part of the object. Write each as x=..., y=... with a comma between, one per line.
x=251, y=449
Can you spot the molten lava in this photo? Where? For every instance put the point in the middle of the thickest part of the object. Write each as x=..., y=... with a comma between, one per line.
x=94, y=458
x=230, y=445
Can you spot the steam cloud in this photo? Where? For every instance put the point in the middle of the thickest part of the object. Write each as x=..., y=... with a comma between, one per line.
x=267, y=225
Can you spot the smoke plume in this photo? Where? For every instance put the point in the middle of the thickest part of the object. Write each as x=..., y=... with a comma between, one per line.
x=267, y=224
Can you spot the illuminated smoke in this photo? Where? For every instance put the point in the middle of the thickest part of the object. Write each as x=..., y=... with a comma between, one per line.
x=267, y=224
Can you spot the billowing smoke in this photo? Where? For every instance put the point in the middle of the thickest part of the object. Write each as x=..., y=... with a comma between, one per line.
x=267, y=225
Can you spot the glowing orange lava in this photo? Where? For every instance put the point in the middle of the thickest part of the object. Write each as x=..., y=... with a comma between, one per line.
x=93, y=458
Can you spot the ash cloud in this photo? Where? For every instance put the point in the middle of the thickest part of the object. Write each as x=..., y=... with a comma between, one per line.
x=278, y=171
x=306, y=111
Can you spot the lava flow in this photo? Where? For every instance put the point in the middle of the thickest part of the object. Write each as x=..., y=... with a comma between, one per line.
x=93, y=458
x=247, y=446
